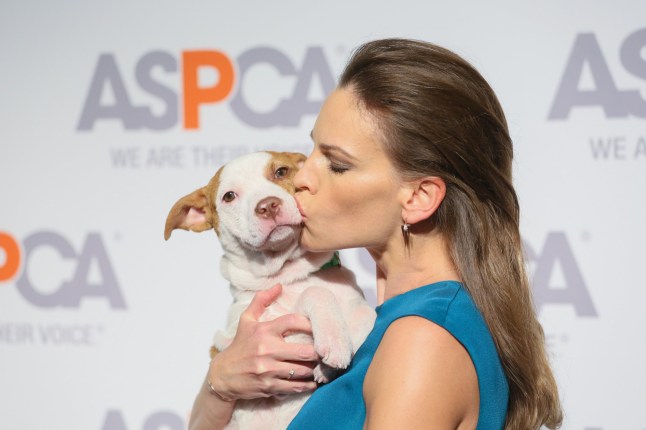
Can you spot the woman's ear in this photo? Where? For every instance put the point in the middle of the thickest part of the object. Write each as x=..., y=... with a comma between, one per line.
x=421, y=198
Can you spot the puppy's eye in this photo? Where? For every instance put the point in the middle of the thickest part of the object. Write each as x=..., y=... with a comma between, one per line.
x=281, y=172
x=229, y=196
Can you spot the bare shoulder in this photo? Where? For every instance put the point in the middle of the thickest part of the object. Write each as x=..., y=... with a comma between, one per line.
x=420, y=377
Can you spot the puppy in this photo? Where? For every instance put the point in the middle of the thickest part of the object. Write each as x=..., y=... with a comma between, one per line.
x=250, y=205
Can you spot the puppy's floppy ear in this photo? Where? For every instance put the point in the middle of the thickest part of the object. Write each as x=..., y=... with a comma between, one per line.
x=191, y=212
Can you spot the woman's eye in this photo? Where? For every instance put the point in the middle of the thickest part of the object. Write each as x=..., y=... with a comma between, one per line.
x=229, y=196
x=337, y=168
x=335, y=165
x=281, y=172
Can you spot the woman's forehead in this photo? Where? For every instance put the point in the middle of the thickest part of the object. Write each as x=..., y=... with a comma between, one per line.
x=344, y=124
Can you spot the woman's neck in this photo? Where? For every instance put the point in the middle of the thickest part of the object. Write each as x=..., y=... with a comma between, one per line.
x=427, y=260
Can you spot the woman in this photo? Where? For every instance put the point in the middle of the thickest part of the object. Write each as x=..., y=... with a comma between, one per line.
x=412, y=160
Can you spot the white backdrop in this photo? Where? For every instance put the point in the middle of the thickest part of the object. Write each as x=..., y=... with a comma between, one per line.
x=110, y=111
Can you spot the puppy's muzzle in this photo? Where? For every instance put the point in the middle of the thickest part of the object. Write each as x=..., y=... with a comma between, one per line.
x=269, y=207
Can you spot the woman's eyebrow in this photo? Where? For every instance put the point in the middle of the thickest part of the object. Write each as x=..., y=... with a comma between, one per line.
x=334, y=148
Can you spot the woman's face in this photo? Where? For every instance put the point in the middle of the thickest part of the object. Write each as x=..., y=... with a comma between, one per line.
x=347, y=189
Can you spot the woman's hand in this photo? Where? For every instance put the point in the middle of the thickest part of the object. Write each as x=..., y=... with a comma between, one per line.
x=256, y=364
x=259, y=363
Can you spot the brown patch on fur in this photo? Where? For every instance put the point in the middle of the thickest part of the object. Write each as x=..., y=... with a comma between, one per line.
x=292, y=160
x=200, y=200
x=213, y=351
x=211, y=190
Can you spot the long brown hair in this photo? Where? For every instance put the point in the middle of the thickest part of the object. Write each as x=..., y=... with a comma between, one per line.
x=439, y=117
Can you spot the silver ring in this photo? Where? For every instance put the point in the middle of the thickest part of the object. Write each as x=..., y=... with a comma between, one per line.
x=291, y=373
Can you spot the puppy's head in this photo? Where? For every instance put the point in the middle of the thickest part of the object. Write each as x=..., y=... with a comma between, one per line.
x=249, y=201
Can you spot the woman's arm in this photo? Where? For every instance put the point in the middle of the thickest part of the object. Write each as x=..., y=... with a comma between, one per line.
x=421, y=377
x=256, y=364
x=209, y=411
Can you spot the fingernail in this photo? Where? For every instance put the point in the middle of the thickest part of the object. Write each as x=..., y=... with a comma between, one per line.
x=305, y=353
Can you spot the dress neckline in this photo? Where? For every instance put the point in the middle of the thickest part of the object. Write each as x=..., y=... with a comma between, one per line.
x=393, y=301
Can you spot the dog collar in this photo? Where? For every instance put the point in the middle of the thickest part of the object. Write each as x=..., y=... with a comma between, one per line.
x=334, y=262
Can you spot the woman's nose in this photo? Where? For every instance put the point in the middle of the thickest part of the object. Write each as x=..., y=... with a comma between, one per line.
x=302, y=178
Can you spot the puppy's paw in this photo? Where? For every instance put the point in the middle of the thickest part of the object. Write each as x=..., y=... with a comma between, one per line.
x=335, y=353
x=324, y=373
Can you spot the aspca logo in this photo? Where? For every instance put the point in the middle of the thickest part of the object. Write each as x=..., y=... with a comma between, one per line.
x=615, y=102
x=69, y=293
x=166, y=420
x=194, y=93
x=556, y=276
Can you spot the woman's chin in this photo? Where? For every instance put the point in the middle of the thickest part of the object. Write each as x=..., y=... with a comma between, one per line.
x=310, y=243
x=318, y=246
x=307, y=245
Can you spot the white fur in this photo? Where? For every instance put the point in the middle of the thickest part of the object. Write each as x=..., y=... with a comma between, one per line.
x=259, y=253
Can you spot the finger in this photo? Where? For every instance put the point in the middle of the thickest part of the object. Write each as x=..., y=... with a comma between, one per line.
x=296, y=352
x=261, y=300
x=284, y=386
x=295, y=371
x=290, y=323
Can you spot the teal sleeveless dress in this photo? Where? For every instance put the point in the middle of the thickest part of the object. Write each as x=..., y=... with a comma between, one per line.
x=340, y=405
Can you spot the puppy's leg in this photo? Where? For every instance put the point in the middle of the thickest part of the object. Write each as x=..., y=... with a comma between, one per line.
x=360, y=319
x=332, y=340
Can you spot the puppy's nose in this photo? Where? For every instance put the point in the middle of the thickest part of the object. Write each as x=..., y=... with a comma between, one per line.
x=268, y=207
